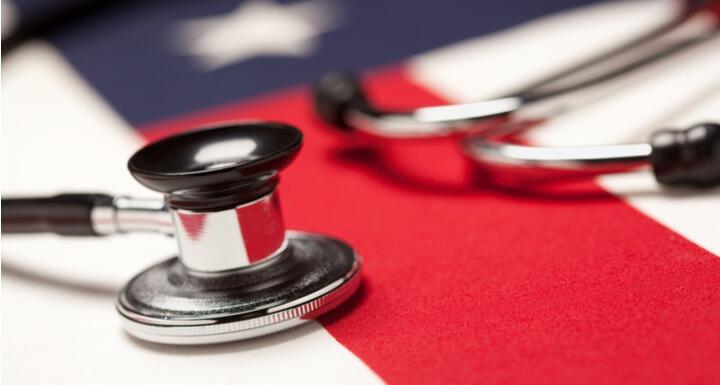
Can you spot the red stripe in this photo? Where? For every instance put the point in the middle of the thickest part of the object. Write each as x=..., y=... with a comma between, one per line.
x=259, y=227
x=468, y=284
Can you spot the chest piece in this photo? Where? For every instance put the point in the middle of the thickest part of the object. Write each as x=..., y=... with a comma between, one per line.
x=239, y=273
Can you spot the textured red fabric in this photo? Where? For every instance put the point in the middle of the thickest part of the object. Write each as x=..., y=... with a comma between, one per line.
x=468, y=284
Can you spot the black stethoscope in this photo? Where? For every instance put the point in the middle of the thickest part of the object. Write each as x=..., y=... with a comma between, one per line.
x=239, y=274
x=678, y=157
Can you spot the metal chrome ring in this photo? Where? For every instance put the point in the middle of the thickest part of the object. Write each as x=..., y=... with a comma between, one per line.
x=678, y=157
x=620, y=156
x=276, y=319
x=155, y=309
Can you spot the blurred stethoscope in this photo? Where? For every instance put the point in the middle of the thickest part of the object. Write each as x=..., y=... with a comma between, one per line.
x=678, y=157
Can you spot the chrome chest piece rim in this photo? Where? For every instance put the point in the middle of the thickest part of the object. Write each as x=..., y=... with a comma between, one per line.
x=223, y=313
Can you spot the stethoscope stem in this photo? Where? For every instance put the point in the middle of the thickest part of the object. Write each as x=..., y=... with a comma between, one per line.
x=85, y=214
x=128, y=215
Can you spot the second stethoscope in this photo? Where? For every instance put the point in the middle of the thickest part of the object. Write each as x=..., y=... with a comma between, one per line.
x=678, y=157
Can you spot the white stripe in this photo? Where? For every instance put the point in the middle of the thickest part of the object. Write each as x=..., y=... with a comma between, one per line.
x=643, y=106
x=491, y=65
x=692, y=214
x=660, y=98
x=58, y=321
x=58, y=135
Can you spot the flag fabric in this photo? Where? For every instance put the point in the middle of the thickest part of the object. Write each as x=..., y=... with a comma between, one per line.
x=611, y=280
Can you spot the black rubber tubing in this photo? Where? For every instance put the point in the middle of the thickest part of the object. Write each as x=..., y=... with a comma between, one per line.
x=64, y=214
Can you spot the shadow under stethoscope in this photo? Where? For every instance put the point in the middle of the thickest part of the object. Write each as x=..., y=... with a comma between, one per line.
x=10, y=269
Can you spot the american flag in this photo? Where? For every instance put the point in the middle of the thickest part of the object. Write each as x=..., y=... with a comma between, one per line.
x=610, y=280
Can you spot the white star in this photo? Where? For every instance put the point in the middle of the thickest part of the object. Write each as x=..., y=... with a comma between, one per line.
x=257, y=28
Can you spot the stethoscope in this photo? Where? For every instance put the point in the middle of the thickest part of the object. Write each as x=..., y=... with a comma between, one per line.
x=677, y=157
x=239, y=273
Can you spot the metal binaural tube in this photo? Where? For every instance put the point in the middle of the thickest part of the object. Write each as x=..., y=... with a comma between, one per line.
x=435, y=121
x=571, y=157
x=520, y=163
x=341, y=100
x=689, y=157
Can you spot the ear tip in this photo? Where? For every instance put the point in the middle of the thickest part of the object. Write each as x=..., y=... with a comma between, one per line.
x=687, y=157
x=334, y=94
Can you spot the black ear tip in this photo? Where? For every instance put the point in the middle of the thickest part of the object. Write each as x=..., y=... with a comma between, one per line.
x=687, y=157
x=334, y=94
